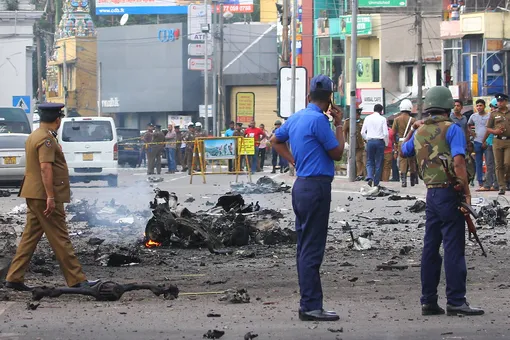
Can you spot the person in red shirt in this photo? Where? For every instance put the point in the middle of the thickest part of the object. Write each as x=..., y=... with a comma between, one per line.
x=254, y=132
x=388, y=154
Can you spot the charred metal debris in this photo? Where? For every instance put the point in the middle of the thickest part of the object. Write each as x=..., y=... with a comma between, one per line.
x=230, y=223
x=264, y=185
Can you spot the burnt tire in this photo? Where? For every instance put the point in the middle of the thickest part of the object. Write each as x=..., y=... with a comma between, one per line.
x=113, y=182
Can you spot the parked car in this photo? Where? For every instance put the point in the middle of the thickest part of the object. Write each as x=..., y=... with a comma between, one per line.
x=14, y=120
x=90, y=147
x=129, y=145
x=12, y=158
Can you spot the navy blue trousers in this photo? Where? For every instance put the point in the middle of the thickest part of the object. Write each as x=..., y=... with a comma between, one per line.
x=311, y=200
x=445, y=224
x=375, y=158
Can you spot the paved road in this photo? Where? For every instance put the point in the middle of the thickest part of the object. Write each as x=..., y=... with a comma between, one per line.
x=378, y=305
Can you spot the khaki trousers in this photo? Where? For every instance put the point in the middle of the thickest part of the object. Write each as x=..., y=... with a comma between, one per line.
x=501, y=149
x=360, y=162
x=57, y=234
x=388, y=158
x=406, y=164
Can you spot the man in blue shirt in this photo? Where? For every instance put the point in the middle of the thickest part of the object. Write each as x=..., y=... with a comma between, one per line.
x=230, y=133
x=430, y=140
x=315, y=148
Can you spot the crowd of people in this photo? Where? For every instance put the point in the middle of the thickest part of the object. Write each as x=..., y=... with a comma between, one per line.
x=379, y=144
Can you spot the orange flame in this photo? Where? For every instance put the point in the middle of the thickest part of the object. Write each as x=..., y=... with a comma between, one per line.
x=151, y=243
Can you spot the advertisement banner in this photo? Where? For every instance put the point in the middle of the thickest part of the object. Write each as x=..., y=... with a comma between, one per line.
x=364, y=70
x=182, y=121
x=121, y=7
x=248, y=147
x=245, y=107
x=220, y=148
x=367, y=98
x=364, y=25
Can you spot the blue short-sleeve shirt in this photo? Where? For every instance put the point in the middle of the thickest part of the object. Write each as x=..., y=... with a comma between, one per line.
x=310, y=136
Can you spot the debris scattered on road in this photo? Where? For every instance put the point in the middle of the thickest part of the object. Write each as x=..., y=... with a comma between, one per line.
x=405, y=250
x=214, y=334
x=381, y=192
x=390, y=265
x=360, y=243
x=250, y=336
x=95, y=241
x=236, y=296
x=264, y=185
x=336, y=330
x=418, y=206
x=5, y=193
x=213, y=315
x=494, y=214
x=119, y=260
x=32, y=306
x=231, y=223
x=189, y=200
x=401, y=198
x=105, y=291
x=155, y=179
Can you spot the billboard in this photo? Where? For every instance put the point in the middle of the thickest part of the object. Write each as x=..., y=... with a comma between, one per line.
x=284, y=91
x=367, y=98
x=121, y=7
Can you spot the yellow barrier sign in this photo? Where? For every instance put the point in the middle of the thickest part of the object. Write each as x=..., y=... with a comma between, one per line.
x=248, y=147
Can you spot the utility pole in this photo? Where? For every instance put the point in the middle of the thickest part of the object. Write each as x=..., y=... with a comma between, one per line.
x=65, y=79
x=206, y=68
x=285, y=34
x=39, y=67
x=221, y=98
x=216, y=129
x=352, y=111
x=294, y=59
x=99, y=71
x=420, y=57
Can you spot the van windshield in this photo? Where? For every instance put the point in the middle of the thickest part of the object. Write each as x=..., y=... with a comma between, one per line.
x=87, y=131
x=13, y=120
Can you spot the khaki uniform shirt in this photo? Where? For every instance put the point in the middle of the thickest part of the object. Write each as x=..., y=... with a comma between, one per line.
x=43, y=147
x=360, y=142
x=400, y=124
x=500, y=120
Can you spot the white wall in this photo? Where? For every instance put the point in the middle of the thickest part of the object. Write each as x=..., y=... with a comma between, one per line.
x=16, y=49
x=430, y=77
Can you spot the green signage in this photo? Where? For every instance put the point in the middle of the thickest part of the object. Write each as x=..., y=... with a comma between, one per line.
x=364, y=25
x=382, y=3
x=364, y=70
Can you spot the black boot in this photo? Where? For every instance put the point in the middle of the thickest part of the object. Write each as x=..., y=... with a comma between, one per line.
x=274, y=170
x=403, y=176
x=412, y=180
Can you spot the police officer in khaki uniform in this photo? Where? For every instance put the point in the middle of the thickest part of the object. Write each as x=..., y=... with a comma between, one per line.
x=360, y=145
x=402, y=126
x=499, y=125
x=158, y=138
x=149, y=147
x=189, y=138
x=46, y=188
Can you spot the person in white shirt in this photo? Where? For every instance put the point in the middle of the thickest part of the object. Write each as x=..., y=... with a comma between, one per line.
x=375, y=132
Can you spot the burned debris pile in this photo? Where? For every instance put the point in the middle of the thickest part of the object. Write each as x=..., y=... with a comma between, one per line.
x=264, y=185
x=230, y=223
x=493, y=214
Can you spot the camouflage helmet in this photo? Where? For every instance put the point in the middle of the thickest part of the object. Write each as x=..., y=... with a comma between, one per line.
x=438, y=97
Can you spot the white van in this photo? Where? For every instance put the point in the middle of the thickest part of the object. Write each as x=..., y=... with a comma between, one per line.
x=90, y=147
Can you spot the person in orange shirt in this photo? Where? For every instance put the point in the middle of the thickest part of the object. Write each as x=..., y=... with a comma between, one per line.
x=388, y=154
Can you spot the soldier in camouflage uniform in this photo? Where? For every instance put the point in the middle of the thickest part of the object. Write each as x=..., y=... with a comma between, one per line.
x=445, y=223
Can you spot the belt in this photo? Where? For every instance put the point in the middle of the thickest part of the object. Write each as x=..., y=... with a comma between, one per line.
x=438, y=186
x=369, y=139
x=501, y=137
x=318, y=178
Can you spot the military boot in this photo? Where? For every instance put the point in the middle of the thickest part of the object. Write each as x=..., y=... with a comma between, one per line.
x=403, y=176
x=412, y=180
x=274, y=170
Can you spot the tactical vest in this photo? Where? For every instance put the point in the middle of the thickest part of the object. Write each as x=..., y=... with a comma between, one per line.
x=430, y=143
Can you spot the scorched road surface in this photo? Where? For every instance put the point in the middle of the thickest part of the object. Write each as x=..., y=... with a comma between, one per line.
x=373, y=304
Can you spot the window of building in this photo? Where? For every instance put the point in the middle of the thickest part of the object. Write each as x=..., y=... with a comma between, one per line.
x=375, y=73
x=337, y=46
x=409, y=76
x=324, y=46
x=438, y=77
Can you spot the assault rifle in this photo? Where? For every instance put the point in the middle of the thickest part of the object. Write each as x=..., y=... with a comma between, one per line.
x=460, y=189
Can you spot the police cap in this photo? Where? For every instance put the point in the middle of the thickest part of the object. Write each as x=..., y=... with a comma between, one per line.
x=191, y=125
x=501, y=96
x=158, y=126
x=49, y=112
x=150, y=125
x=278, y=122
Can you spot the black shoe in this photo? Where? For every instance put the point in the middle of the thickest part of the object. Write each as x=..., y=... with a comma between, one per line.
x=370, y=182
x=431, y=309
x=464, y=309
x=86, y=284
x=19, y=286
x=502, y=192
x=318, y=315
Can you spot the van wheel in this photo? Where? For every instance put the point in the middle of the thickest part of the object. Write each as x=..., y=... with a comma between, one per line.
x=113, y=181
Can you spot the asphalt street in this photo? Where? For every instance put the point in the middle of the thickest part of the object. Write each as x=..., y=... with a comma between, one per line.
x=372, y=304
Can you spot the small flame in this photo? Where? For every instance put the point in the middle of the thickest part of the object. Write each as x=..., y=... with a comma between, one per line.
x=151, y=243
